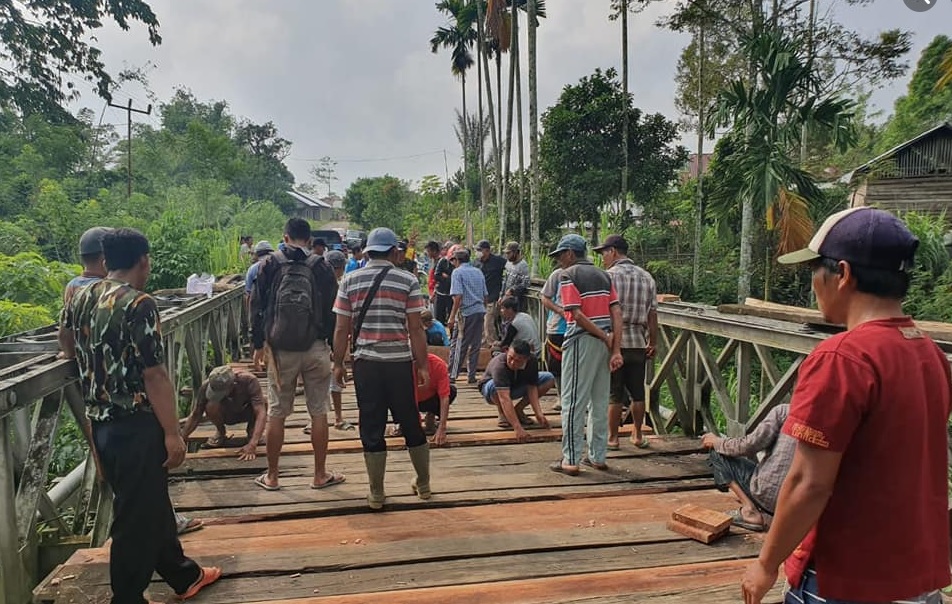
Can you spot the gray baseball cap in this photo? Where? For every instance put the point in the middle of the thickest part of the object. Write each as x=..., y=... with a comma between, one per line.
x=91, y=241
x=335, y=258
x=381, y=239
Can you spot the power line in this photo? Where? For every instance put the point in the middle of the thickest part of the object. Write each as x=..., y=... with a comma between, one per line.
x=371, y=160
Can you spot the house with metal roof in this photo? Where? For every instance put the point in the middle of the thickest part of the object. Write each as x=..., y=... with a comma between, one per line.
x=914, y=176
x=310, y=207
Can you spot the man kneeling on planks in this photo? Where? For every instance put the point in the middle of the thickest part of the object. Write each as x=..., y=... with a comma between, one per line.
x=756, y=484
x=516, y=375
x=228, y=397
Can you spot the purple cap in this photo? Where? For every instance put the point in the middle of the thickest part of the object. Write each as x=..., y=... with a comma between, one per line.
x=862, y=236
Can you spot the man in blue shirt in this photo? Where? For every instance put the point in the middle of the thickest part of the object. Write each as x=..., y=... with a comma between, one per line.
x=470, y=296
x=435, y=331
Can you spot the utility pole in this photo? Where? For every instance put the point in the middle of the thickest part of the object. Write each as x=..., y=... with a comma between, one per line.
x=129, y=109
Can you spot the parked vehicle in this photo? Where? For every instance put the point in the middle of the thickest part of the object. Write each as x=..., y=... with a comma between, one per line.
x=354, y=237
x=331, y=237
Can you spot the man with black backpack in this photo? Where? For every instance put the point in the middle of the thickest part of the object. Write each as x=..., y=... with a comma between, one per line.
x=292, y=316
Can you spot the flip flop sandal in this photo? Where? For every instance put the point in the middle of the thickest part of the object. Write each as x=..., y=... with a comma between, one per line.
x=334, y=479
x=209, y=575
x=214, y=442
x=644, y=443
x=738, y=521
x=344, y=425
x=613, y=447
x=307, y=429
x=260, y=481
x=190, y=526
x=598, y=466
x=504, y=424
x=559, y=468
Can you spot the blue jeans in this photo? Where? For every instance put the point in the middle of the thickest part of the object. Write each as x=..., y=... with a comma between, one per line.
x=519, y=392
x=807, y=592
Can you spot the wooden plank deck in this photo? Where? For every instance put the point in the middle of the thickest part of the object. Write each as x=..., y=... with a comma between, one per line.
x=501, y=526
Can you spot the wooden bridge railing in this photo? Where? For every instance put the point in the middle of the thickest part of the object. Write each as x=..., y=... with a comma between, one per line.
x=35, y=387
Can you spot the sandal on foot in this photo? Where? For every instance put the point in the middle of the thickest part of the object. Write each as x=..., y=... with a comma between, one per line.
x=307, y=429
x=558, y=467
x=344, y=425
x=335, y=478
x=261, y=481
x=598, y=466
x=189, y=525
x=209, y=575
x=644, y=443
x=214, y=442
x=737, y=520
x=504, y=424
x=613, y=447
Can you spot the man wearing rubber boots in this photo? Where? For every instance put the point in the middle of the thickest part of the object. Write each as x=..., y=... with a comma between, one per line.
x=378, y=315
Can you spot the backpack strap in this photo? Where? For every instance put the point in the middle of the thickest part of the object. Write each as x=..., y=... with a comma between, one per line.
x=371, y=294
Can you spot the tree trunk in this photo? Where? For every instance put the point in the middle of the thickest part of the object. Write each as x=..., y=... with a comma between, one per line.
x=490, y=107
x=513, y=61
x=747, y=203
x=699, y=197
x=625, y=119
x=533, y=143
x=500, y=176
x=482, y=121
x=520, y=136
x=466, y=217
x=810, y=50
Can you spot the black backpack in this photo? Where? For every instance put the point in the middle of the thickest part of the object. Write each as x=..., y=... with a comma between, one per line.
x=295, y=318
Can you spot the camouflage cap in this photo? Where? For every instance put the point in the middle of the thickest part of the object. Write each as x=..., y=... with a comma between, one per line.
x=220, y=381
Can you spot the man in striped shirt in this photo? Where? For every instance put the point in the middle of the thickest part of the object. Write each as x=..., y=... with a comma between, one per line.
x=591, y=350
x=384, y=348
x=639, y=303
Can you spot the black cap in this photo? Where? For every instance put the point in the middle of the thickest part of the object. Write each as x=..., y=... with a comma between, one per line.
x=616, y=241
x=484, y=245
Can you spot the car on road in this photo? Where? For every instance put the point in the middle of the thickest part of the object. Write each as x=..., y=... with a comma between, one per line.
x=331, y=237
x=354, y=237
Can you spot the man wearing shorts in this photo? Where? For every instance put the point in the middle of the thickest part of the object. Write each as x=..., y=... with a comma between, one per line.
x=554, y=329
x=639, y=303
x=292, y=312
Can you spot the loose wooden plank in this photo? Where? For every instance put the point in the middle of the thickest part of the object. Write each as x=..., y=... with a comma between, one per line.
x=692, y=532
x=438, y=572
x=702, y=518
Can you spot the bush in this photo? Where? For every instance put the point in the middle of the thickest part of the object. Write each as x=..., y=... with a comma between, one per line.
x=14, y=239
x=16, y=317
x=29, y=279
x=176, y=252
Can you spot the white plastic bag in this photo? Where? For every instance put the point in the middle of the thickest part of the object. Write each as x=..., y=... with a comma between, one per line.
x=200, y=284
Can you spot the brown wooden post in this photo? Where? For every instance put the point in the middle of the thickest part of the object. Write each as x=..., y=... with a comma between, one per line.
x=736, y=426
x=13, y=589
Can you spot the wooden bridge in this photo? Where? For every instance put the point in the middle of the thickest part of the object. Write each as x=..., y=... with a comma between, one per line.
x=501, y=526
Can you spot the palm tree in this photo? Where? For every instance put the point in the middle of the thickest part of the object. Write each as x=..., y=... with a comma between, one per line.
x=767, y=124
x=533, y=140
x=458, y=36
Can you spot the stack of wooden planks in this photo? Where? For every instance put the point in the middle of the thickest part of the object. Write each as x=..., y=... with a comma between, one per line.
x=698, y=523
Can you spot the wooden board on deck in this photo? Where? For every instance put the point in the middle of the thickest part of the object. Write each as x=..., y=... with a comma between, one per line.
x=539, y=549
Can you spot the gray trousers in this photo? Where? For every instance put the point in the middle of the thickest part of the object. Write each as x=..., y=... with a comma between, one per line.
x=465, y=345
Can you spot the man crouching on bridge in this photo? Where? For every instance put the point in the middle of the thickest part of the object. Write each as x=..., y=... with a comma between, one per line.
x=117, y=344
x=228, y=397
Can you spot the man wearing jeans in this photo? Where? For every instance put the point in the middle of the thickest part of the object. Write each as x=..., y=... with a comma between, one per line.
x=511, y=376
x=591, y=351
x=470, y=297
x=291, y=306
x=387, y=347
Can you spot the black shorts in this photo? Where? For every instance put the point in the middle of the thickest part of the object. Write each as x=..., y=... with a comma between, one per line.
x=630, y=377
x=432, y=404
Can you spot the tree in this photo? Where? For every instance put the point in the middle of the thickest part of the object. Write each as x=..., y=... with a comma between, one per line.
x=925, y=104
x=379, y=201
x=580, y=154
x=766, y=126
x=533, y=139
x=40, y=40
x=324, y=172
x=458, y=36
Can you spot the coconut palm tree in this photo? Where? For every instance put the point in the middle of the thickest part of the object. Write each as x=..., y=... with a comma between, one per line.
x=766, y=126
x=458, y=36
x=533, y=139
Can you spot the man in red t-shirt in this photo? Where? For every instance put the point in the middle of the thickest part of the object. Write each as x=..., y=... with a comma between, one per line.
x=435, y=397
x=862, y=515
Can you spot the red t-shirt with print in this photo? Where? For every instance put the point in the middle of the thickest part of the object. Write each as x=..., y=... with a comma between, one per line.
x=880, y=395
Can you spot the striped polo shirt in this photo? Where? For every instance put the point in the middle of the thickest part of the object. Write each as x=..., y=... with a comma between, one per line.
x=587, y=287
x=384, y=335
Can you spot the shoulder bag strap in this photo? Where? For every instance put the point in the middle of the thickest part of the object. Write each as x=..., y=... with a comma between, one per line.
x=371, y=294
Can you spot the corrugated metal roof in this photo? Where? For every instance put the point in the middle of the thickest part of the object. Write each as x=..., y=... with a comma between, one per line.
x=307, y=200
x=865, y=167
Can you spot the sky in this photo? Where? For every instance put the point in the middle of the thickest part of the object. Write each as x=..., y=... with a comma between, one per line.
x=355, y=79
